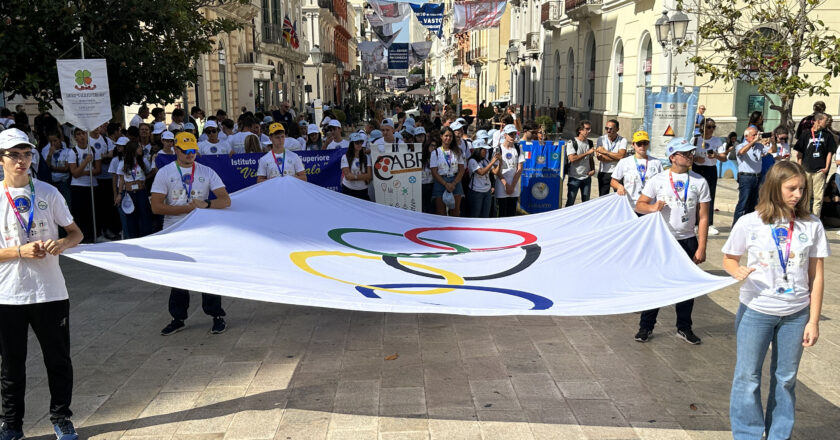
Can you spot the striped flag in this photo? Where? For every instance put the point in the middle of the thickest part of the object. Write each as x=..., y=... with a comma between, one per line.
x=288, y=29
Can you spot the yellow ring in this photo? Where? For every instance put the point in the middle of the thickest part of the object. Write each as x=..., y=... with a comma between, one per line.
x=300, y=260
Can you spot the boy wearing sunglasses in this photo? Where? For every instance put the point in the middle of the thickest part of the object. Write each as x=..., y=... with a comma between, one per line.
x=179, y=188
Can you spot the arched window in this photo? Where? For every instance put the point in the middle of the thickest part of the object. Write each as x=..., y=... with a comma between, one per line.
x=570, y=79
x=643, y=77
x=590, y=72
x=618, y=76
x=556, y=78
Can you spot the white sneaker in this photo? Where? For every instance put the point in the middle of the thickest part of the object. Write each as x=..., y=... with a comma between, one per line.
x=713, y=230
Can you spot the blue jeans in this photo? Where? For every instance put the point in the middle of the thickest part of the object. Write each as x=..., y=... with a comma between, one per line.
x=575, y=185
x=754, y=332
x=747, y=195
x=479, y=203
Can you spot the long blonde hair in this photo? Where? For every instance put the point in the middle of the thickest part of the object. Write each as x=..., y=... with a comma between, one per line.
x=771, y=205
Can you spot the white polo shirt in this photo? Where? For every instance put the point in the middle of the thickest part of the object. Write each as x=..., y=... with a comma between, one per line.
x=268, y=168
x=446, y=162
x=613, y=147
x=174, y=185
x=76, y=156
x=659, y=188
x=629, y=172
x=750, y=162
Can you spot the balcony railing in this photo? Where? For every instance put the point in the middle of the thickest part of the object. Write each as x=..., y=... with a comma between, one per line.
x=571, y=4
x=551, y=14
x=272, y=33
x=532, y=42
x=581, y=9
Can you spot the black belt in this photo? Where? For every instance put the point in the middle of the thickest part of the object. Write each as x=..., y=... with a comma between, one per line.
x=749, y=174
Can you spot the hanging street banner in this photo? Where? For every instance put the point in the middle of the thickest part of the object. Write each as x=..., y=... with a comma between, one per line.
x=430, y=15
x=85, y=94
x=541, y=182
x=390, y=11
x=385, y=33
x=398, y=59
x=323, y=167
x=477, y=14
x=419, y=52
x=397, y=174
x=669, y=115
x=373, y=58
x=288, y=241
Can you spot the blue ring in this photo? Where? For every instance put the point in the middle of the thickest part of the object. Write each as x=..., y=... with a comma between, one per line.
x=540, y=302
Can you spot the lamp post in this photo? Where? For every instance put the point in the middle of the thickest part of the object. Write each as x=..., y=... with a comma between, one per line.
x=459, y=75
x=477, y=68
x=533, y=93
x=340, y=70
x=512, y=57
x=316, y=55
x=670, y=31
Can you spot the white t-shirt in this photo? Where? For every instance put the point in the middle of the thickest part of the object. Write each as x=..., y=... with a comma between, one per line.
x=58, y=159
x=580, y=168
x=237, y=141
x=354, y=169
x=713, y=144
x=102, y=145
x=613, y=147
x=427, y=177
x=782, y=151
x=509, y=163
x=659, y=187
x=336, y=145
x=293, y=144
x=76, y=156
x=176, y=126
x=270, y=169
x=137, y=176
x=30, y=281
x=446, y=162
x=754, y=238
x=168, y=181
x=136, y=121
x=221, y=147
x=631, y=172
x=479, y=183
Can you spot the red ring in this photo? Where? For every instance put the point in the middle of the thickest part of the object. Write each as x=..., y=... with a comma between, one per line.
x=412, y=235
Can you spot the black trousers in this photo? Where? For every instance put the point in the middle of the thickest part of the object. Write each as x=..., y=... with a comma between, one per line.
x=107, y=217
x=357, y=193
x=604, y=183
x=81, y=210
x=51, y=323
x=648, y=318
x=179, y=302
x=507, y=206
x=710, y=174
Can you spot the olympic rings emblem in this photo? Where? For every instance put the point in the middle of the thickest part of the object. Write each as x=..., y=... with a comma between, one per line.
x=451, y=281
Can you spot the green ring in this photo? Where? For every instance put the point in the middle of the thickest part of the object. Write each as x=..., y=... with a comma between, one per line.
x=337, y=234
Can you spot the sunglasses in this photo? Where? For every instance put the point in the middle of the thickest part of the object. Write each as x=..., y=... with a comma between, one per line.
x=643, y=143
x=610, y=129
x=711, y=127
x=688, y=154
x=20, y=156
x=782, y=138
x=211, y=131
x=190, y=151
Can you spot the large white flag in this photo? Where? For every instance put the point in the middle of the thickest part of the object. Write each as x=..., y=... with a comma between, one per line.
x=473, y=15
x=390, y=11
x=292, y=242
x=85, y=94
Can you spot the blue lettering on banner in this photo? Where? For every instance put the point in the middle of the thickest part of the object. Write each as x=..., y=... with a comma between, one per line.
x=323, y=168
x=541, y=176
x=430, y=15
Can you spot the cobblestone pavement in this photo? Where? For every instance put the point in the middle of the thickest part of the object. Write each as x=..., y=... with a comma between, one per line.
x=288, y=372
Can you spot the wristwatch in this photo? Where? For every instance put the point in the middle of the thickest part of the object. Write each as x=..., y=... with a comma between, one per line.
x=208, y=203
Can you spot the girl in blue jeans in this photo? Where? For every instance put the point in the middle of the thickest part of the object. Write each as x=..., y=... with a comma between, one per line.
x=780, y=300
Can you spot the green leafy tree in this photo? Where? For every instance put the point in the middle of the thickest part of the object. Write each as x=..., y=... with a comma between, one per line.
x=149, y=45
x=766, y=43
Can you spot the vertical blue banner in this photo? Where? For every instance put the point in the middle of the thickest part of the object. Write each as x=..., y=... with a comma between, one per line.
x=323, y=167
x=398, y=56
x=669, y=115
x=541, y=182
x=430, y=15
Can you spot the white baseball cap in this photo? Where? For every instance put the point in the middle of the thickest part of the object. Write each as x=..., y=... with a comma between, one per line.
x=312, y=129
x=210, y=124
x=456, y=126
x=159, y=128
x=419, y=131
x=335, y=123
x=168, y=135
x=122, y=140
x=326, y=121
x=510, y=128
x=14, y=138
x=387, y=122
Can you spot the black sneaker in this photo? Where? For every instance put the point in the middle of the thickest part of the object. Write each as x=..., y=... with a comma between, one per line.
x=219, y=326
x=64, y=430
x=643, y=335
x=688, y=336
x=174, y=327
x=7, y=433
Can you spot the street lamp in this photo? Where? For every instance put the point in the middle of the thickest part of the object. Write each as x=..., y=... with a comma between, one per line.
x=477, y=69
x=316, y=55
x=459, y=75
x=340, y=69
x=670, y=31
x=512, y=58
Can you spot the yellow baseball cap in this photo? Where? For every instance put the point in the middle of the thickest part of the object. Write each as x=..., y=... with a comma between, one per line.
x=275, y=127
x=640, y=136
x=186, y=141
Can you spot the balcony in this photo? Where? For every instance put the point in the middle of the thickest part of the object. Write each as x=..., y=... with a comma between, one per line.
x=578, y=10
x=272, y=33
x=478, y=54
x=532, y=42
x=551, y=15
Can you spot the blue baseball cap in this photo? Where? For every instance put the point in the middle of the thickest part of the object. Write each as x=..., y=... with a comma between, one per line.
x=679, y=145
x=356, y=137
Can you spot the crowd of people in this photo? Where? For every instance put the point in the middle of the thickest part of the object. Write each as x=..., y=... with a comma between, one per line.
x=116, y=181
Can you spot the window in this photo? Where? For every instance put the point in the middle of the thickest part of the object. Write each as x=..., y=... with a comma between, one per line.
x=570, y=80
x=223, y=77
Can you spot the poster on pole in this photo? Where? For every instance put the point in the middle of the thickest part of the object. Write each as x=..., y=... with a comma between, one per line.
x=541, y=176
x=85, y=94
x=397, y=174
x=669, y=115
x=318, y=107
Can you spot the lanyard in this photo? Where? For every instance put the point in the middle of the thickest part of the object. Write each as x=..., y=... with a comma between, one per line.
x=26, y=227
x=192, y=179
x=784, y=259
x=448, y=159
x=646, y=169
x=816, y=142
x=283, y=162
x=684, y=200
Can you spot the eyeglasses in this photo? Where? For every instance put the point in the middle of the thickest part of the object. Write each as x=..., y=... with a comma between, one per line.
x=610, y=129
x=587, y=128
x=711, y=127
x=686, y=154
x=191, y=151
x=20, y=156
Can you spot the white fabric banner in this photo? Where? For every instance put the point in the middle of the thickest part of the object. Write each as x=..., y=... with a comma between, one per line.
x=390, y=11
x=477, y=14
x=85, y=94
x=292, y=242
x=397, y=175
